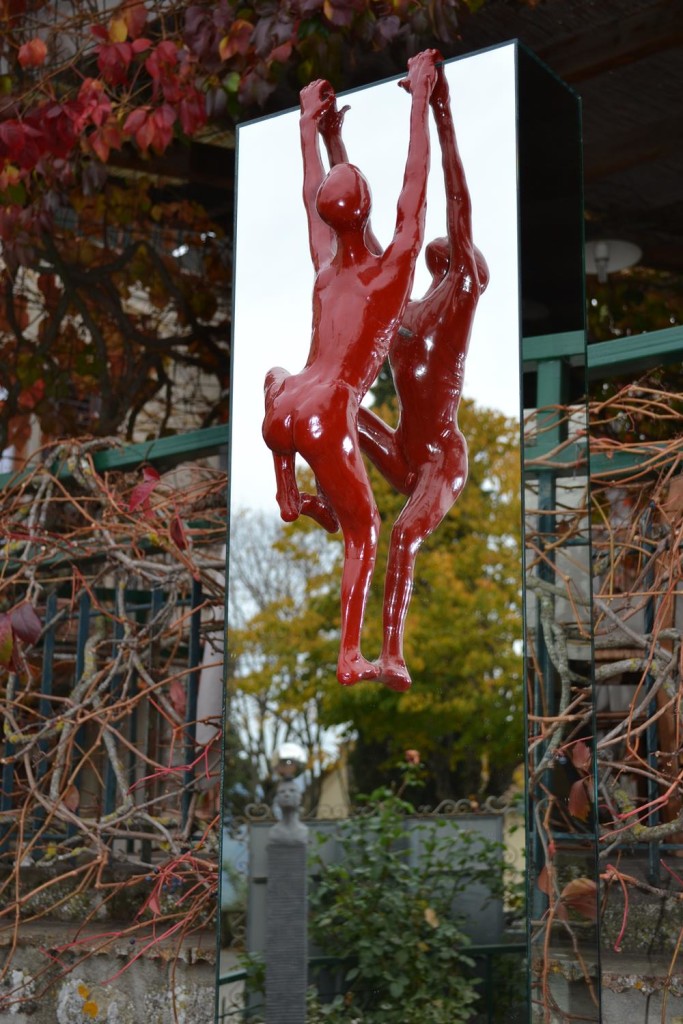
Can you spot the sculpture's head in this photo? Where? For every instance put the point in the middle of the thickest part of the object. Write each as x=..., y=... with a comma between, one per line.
x=288, y=795
x=343, y=199
x=438, y=257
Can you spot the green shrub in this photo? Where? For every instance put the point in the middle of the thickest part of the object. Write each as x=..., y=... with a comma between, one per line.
x=392, y=922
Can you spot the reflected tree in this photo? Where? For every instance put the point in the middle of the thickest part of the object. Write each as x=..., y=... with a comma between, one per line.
x=283, y=650
x=464, y=632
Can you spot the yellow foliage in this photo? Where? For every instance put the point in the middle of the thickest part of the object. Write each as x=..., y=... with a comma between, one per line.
x=118, y=30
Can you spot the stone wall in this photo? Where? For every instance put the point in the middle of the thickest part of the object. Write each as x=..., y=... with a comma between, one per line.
x=106, y=981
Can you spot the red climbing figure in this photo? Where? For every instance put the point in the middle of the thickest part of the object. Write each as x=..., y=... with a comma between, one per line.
x=359, y=302
x=425, y=457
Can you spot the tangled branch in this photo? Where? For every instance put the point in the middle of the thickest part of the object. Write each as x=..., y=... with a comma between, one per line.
x=111, y=590
x=605, y=742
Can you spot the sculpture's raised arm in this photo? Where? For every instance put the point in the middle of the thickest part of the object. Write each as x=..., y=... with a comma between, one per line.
x=316, y=99
x=458, y=202
x=412, y=206
x=330, y=126
x=331, y=132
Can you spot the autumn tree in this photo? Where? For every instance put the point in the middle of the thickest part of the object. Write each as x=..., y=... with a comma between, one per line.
x=281, y=645
x=114, y=293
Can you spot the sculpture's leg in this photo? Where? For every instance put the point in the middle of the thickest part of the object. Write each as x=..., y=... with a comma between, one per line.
x=318, y=507
x=341, y=473
x=360, y=552
x=378, y=442
x=278, y=435
x=287, y=491
x=436, y=490
x=398, y=587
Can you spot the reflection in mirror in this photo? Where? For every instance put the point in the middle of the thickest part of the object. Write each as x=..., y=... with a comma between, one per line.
x=563, y=815
x=562, y=854
x=411, y=800
x=631, y=719
x=636, y=500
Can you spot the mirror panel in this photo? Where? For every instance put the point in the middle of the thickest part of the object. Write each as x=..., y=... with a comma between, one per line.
x=563, y=826
x=455, y=740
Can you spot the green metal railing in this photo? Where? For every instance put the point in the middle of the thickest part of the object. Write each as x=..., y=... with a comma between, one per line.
x=162, y=452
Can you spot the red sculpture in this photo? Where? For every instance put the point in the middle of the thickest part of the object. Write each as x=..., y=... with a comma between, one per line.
x=425, y=457
x=359, y=300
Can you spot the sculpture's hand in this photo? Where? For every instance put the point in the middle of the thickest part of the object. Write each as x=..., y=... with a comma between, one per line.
x=421, y=68
x=331, y=120
x=317, y=98
x=440, y=98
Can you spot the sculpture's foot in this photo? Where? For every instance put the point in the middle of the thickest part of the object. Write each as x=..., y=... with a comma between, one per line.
x=354, y=668
x=318, y=509
x=393, y=672
x=289, y=503
x=289, y=514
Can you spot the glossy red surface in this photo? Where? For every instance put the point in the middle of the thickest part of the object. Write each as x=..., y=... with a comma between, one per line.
x=359, y=302
x=425, y=457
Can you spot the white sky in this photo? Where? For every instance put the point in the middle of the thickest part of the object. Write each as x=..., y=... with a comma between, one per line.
x=274, y=275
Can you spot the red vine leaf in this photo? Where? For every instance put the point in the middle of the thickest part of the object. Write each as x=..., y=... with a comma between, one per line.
x=177, y=532
x=154, y=905
x=106, y=138
x=581, y=895
x=33, y=53
x=135, y=16
x=162, y=121
x=192, y=111
x=113, y=60
x=281, y=53
x=25, y=623
x=581, y=756
x=162, y=61
x=579, y=803
x=237, y=39
x=71, y=798
x=543, y=880
x=140, y=495
x=178, y=697
x=93, y=106
x=338, y=12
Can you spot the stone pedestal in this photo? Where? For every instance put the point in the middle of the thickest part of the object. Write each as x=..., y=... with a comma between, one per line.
x=286, y=918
